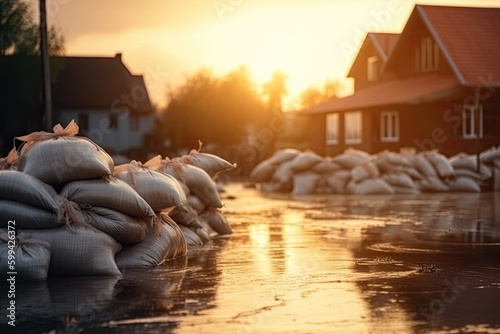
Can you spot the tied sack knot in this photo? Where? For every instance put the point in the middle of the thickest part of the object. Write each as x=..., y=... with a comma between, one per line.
x=70, y=130
x=69, y=212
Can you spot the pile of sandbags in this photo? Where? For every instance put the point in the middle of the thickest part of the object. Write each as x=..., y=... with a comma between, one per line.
x=65, y=209
x=357, y=172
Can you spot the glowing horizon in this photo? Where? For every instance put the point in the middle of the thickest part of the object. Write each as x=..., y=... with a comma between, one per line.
x=310, y=41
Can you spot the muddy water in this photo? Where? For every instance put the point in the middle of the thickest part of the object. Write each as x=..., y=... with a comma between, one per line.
x=312, y=264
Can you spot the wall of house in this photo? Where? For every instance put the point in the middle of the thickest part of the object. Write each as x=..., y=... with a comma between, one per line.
x=121, y=137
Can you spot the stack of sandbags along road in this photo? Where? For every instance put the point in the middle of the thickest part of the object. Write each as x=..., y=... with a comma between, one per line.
x=90, y=219
x=357, y=172
x=199, y=216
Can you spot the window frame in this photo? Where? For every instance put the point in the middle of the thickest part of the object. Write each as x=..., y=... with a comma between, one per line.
x=471, y=134
x=347, y=129
x=332, y=127
x=393, y=133
x=427, y=55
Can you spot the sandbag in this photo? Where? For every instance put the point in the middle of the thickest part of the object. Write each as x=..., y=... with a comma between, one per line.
x=24, y=188
x=326, y=166
x=274, y=186
x=65, y=159
x=195, y=178
x=351, y=158
x=79, y=251
x=400, y=180
x=154, y=249
x=161, y=191
x=422, y=165
x=386, y=160
x=464, y=161
x=263, y=171
x=363, y=171
x=305, y=161
x=338, y=181
x=465, y=184
x=27, y=216
x=123, y=228
x=373, y=186
x=192, y=239
x=10, y=161
x=110, y=193
x=488, y=156
x=204, y=235
x=305, y=183
x=31, y=256
x=217, y=221
x=468, y=173
x=185, y=215
x=284, y=172
x=283, y=155
x=432, y=184
x=196, y=203
x=440, y=164
x=210, y=163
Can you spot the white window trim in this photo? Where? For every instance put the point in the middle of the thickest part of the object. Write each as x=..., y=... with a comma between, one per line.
x=353, y=140
x=427, y=55
x=472, y=134
x=334, y=116
x=394, y=137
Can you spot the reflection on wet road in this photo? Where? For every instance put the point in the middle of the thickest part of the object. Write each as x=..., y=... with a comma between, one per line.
x=318, y=264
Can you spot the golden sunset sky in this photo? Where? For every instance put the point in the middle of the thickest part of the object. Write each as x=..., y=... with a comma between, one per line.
x=310, y=40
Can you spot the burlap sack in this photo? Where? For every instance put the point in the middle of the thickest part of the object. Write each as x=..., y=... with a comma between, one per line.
x=192, y=239
x=195, y=178
x=305, y=182
x=24, y=188
x=263, y=171
x=154, y=249
x=305, y=161
x=79, y=251
x=210, y=163
x=161, y=191
x=123, y=228
x=110, y=193
x=65, y=159
x=32, y=257
x=27, y=216
x=217, y=221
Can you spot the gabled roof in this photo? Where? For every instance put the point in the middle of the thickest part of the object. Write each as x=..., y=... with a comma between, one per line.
x=383, y=44
x=468, y=38
x=97, y=82
x=398, y=92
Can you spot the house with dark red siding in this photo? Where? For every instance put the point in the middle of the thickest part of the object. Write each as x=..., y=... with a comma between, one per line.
x=436, y=85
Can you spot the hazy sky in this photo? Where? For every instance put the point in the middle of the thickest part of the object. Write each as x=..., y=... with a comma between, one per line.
x=310, y=40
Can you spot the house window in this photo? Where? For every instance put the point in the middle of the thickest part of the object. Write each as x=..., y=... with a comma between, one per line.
x=471, y=115
x=389, y=126
x=353, y=127
x=427, y=55
x=372, y=68
x=332, y=129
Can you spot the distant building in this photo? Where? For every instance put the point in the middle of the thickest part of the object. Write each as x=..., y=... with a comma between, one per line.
x=434, y=86
x=110, y=105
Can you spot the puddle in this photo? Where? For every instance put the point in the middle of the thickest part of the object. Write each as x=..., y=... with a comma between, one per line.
x=315, y=264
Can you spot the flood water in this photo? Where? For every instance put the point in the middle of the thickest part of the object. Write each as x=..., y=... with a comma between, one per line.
x=425, y=263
